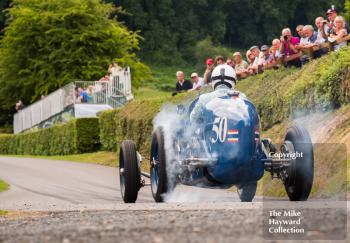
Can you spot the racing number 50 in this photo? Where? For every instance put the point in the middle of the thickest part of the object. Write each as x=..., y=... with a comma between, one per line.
x=220, y=129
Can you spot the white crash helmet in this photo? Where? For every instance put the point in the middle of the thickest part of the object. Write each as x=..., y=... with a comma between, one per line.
x=223, y=74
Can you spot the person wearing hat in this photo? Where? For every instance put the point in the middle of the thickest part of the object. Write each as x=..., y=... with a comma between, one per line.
x=197, y=82
x=265, y=55
x=219, y=60
x=257, y=63
x=241, y=66
x=332, y=13
x=260, y=57
x=207, y=74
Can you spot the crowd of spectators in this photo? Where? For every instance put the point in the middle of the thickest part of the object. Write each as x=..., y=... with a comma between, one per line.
x=288, y=50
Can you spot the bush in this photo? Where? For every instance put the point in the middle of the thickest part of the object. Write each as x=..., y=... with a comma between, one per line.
x=77, y=136
x=108, y=130
x=205, y=48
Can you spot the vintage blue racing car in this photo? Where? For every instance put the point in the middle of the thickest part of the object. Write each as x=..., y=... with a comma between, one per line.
x=222, y=148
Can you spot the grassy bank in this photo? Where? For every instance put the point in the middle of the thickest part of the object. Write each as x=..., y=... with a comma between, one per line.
x=100, y=158
x=3, y=186
x=163, y=82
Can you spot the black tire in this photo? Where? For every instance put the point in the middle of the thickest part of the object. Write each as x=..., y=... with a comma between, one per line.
x=247, y=191
x=159, y=178
x=299, y=182
x=129, y=172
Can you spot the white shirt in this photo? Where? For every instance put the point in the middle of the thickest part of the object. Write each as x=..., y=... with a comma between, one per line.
x=199, y=84
x=304, y=41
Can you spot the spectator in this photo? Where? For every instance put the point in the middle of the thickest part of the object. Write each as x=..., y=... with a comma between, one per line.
x=312, y=36
x=219, y=60
x=332, y=13
x=182, y=84
x=90, y=93
x=289, y=47
x=264, y=56
x=322, y=30
x=309, y=39
x=241, y=66
x=339, y=33
x=303, y=38
x=230, y=62
x=275, y=51
x=105, y=78
x=19, y=105
x=83, y=96
x=250, y=57
x=197, y=82
x=258, y=61
x=114, y=68
x=207, y=74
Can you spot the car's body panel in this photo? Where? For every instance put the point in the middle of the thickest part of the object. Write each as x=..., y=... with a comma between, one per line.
x=230, y=125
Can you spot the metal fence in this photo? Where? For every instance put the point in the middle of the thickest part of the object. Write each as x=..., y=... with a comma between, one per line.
x=113, y=93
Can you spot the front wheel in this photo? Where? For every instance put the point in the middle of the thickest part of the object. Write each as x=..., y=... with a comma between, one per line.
x=247, y=191
x=160, y=183
x=300, y=173
x=129, y=172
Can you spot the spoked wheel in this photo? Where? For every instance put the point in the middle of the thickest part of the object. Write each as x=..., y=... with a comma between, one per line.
x=129, y=172
x=159, y=179
x=247, y=191
x=300, y=173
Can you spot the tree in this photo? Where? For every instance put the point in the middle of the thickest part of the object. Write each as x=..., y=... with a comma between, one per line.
x=49, y=43
x=347, y=8
x=4, y=4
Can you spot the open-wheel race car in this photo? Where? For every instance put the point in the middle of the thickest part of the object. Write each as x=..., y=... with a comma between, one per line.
x=221, y=149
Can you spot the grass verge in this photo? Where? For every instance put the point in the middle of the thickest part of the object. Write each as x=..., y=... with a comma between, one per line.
x=100, y=158
x=3, y=186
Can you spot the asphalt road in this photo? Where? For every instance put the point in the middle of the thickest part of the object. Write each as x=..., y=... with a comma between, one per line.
x=49, y=185
x=81, y=203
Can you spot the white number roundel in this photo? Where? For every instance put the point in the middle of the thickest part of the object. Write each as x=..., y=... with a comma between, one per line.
x=220, y=129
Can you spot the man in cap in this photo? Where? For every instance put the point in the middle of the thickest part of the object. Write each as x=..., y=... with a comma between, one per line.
x=207, y=74
x=265, y=55
x=241, y=66
x=257, y=63
x=332, y=13
x=219, y=60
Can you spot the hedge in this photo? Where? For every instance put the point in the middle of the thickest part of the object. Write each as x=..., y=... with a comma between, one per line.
x=78, y=136
x=108, y=130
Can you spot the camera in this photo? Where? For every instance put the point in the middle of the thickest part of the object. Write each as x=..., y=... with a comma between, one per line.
x=324, y=22
x=285, y=38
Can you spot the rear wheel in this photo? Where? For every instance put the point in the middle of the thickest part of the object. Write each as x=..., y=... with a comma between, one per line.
x=300, y=174
x=247, y=191
x=159, y=179
x=129, y=172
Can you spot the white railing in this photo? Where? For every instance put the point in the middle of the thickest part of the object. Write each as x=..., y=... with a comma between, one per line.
x=113, y=93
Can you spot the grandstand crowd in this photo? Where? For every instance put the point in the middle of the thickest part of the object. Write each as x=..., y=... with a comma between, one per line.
x=311, y=42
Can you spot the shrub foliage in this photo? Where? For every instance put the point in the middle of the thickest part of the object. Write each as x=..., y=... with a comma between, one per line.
x=75, y=137
x=108, y=130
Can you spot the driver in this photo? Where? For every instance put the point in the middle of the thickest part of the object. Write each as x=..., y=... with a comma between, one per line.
x=223, y=79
